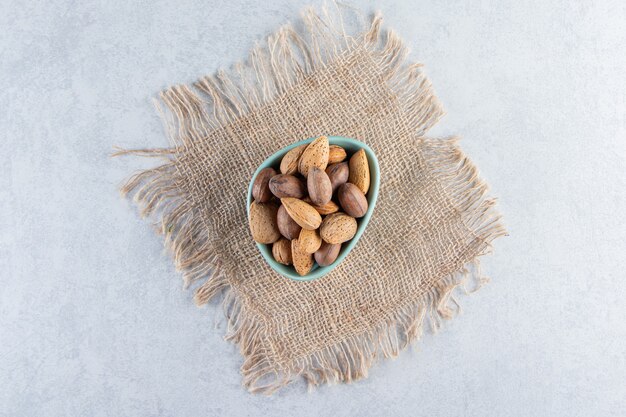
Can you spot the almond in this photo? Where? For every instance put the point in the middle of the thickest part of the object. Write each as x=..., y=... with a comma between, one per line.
x=302, y=261
x=338, y=174
x=302, y=213
x=263, y=222
x=316, y=154
x=319, y=186
x=336, y=154
x=338, y=228
x=281, y=250
x=352, y=200
x=326, y=254
x=309, y=240
x=328, y=208
x=289, y=163
x=360, y=171
x=287, y=227
x=260, y=187
x=284, y=185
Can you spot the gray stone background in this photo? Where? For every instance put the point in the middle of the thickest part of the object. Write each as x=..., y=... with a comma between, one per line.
x=93, y=321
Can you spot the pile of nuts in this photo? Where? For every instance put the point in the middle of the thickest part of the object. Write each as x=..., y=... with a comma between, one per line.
x=310, y=208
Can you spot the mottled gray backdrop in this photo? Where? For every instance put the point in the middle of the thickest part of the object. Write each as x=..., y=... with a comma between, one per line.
x=93, y=321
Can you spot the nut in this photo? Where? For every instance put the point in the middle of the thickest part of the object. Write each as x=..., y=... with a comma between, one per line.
x=262, y=222
x=281, y=250
x=360, y=171
x=289, y=163
x=319, y=186
x=338, y=228
x=338, y=174
x=284, y=185
x=316, y=154
x=260, y=188
x=326, y=254
x=336, y=154
x=328, y=208
x=310, y=208
x=287, y=227
x=309, y=240
x=302, y=213
x=352, y=200
x=302, y=261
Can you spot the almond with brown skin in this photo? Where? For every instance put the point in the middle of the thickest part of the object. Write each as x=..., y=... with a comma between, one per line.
x=315, y=155
x=284, y=185
x=302, y=213
x=327, y=254
x=352, y=200
x=328, y=208
x=262, y=222
x=338, y=228
x=286, y=225
x=289, y=163
x=260, y=187
x=281, y=250
x=309, y=240
x=319, y=186
x=302, y=261
x=336, y=154
x=338, y=174
x=360, y=171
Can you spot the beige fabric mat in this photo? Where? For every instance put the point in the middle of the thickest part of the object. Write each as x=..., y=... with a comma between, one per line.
x=431, y=222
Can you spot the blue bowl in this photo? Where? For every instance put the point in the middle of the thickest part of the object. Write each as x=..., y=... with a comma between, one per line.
x=351, y=146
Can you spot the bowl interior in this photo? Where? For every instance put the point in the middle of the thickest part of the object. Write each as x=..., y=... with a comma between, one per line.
x=351, y=146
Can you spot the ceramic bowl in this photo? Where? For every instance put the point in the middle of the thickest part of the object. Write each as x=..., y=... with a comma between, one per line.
x=351, y=146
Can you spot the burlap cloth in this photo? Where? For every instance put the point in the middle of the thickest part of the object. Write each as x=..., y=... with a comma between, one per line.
x=431, y=222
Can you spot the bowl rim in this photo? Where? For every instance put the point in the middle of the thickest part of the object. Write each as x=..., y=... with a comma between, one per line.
x=372, y=197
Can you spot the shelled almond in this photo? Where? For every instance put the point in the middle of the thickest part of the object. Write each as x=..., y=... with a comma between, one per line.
x=359, y=171
x=308, y=206
x=281, y=251
x=336, y=154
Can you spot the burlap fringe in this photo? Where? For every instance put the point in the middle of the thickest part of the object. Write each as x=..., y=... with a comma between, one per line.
x=273, y=68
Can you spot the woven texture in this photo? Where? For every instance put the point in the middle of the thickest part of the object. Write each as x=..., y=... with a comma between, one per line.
x=431, y=222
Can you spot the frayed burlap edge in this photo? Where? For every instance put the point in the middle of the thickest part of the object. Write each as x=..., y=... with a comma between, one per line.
x=272, y=69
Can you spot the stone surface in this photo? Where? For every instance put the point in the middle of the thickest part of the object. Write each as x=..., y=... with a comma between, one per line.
x=93, y=321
